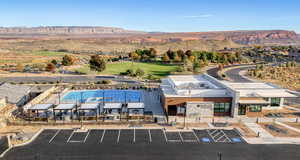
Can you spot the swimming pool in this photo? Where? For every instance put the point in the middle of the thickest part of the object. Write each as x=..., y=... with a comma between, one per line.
x=85, y=96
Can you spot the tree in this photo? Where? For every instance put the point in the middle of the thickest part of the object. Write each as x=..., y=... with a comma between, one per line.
x=20, y=67
x=139, y=72
x=97, y=63
x=165, y=58
x=54, y=61
x=50, y=67
x=192, y=58
x=68, y=60
x=134, y=56
x=188, y=53
x=153, y=53
x=177, y=58
x=196, y=66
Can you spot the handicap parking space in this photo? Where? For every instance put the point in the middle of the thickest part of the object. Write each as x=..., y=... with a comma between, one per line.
x=203, y=136
x=234, y=136
x=219, y=136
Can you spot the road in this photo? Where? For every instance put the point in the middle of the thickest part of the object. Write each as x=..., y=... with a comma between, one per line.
x=232, y=74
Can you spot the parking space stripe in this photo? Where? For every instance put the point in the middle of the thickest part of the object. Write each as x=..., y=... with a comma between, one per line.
x=210, y=135
x=86, y=136
x=133, y=135
x=150, y=138
x=118, y=139
x=165, y=135
x=180, y=136
x=102, y=136
x=54, y=136
x=70, y=136
x=196, y=136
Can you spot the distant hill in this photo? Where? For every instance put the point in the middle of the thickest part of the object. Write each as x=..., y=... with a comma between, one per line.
x=119, y=35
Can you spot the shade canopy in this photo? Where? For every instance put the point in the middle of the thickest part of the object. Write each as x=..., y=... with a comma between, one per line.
x=65, y=106
x=136, y=106
x=255, y=101
x=41, y=107
x=112, y=105
x=89, y=106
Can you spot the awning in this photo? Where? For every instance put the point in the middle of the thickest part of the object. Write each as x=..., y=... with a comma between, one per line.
x=89, y=106
x=135, y=106
x=112, y=105
x=41, y=107
x=255, y=101
x=65, y=106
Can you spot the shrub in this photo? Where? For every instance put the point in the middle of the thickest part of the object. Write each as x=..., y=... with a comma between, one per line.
x=139, y=72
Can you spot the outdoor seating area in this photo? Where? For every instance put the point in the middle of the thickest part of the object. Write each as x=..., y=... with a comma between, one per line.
x=85, y=112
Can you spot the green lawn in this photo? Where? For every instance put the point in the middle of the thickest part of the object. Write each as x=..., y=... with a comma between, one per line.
x=156, y=69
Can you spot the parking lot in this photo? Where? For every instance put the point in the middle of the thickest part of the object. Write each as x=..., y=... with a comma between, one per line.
x=146, y=144
x=132, y=136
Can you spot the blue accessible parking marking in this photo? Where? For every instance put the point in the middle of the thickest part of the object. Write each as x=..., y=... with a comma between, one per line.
x=237, y=140
x=205, y=139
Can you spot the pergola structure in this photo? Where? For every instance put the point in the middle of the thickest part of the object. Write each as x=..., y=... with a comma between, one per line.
x=135, y=110
x=112, y=109
x=92, y=108
x=37, y=108
x=64, y=109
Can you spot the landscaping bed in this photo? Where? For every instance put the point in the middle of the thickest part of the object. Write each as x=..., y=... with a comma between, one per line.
x=278, y=130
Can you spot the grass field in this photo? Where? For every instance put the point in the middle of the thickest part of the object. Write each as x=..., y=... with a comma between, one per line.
x=156, y=69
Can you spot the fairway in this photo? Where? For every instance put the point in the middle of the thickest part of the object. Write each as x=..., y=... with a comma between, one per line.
x=156, y=69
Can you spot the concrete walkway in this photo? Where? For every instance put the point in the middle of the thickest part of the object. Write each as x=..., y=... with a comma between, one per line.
x=258, y=129
x=289, y=127
x=292, y=108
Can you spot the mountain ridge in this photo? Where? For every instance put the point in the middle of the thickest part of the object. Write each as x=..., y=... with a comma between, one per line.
x=244, y=37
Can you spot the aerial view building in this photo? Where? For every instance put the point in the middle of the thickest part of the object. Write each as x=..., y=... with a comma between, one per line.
x=205, y=96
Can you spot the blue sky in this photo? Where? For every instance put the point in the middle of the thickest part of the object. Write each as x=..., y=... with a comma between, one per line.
x=155, y=15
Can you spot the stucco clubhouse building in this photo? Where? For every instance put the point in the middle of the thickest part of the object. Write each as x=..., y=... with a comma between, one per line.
x=205, y=96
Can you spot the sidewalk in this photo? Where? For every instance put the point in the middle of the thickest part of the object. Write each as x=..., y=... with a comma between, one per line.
x=259, y=130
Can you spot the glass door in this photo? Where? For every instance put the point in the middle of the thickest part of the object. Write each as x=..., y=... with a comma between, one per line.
x=242, y=109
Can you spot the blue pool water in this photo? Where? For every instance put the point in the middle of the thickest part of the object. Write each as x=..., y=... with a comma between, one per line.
x=100, y=95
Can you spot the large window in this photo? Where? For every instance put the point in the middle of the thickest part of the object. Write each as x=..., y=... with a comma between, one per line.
x=275, y=102
x=222, y=107
x=255, y=108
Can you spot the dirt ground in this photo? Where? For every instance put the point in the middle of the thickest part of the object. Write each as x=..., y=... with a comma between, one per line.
x=247, y=132
x=285, y=112
x=290, y=133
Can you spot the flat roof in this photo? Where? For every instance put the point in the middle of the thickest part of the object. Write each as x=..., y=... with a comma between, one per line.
x=136, y=106
x=265, y=93
x=41, y=106
x=89, y=106
x=65, y=106
x=112, y=105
